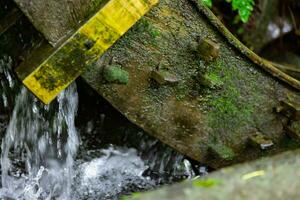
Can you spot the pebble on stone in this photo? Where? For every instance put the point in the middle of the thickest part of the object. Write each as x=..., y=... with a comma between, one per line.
x=207, y=49
x=164, y=77
x=259, y=140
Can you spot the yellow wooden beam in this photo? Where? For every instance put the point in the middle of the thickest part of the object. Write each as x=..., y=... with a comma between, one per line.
x=85, y=46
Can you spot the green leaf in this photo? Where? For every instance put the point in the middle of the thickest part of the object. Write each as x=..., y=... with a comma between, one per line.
x=207, y=3
x=244, y=8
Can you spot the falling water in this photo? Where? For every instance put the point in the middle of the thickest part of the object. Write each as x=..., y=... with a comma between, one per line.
x=39, y=144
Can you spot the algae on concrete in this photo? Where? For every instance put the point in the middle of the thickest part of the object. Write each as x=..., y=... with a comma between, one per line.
x=188, y=115
x=274, y=178
x=115, y=74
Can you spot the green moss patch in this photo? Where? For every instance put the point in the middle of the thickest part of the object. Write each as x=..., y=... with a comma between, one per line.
x=114, y=74
x=206, y=183
x=230, y=108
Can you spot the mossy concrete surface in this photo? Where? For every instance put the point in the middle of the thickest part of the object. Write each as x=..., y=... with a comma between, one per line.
x=274, y=178
x=190, y=116
x=220, y=101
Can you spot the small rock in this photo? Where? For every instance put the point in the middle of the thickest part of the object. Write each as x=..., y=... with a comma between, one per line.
x=259, y=140
x=207, y=49
x=164, y=77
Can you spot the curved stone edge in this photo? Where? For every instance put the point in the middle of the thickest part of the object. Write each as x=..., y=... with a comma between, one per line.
x=196, y=120
x=273, y=178
x=245, y=50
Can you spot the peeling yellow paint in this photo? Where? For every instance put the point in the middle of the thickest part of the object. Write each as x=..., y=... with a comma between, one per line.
x=70, y=60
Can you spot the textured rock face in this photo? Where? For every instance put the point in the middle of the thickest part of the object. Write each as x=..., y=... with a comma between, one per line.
x=210, y=121
x=274, y=178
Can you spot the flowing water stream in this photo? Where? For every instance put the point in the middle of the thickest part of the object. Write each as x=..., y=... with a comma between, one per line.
x=39, y=158
x=39, y=145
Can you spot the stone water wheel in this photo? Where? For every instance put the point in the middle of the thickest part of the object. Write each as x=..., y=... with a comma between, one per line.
x=179, y=75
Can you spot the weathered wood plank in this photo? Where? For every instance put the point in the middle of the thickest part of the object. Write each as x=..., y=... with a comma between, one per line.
x=56, y=18
x=58, y=68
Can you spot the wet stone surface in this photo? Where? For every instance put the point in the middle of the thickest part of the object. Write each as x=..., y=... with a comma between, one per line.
x=273, y=178
x=115, y=157
x=225, y=99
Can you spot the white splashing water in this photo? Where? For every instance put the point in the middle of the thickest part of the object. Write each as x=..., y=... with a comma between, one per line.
x=39, y=146
x=117, y=171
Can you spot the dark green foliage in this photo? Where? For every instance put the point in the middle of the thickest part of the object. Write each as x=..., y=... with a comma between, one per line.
x=207, y=2
x=243, y=7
